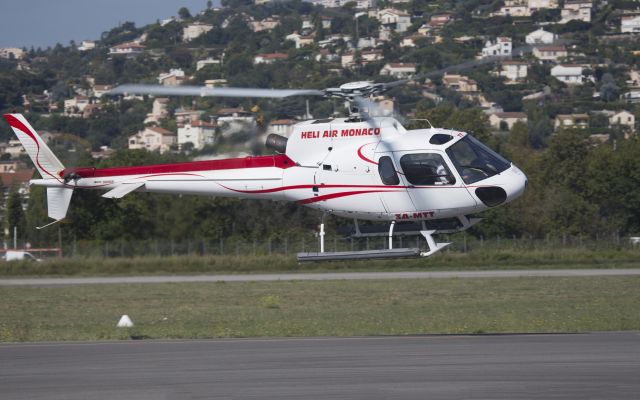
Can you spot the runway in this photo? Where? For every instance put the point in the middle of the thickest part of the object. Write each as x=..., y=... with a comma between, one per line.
x=574, y=366
x=320, y=276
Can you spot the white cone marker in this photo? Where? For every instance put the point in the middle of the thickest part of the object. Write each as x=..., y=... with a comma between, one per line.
x=125, y=322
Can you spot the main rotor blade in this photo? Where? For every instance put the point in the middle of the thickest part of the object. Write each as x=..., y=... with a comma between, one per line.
x=139, y=89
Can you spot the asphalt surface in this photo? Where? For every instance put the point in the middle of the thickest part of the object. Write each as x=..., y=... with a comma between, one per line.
x=318, y=276
x=568, y=366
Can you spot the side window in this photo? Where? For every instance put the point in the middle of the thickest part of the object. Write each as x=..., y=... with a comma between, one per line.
x=387, y=171
x=426, y=169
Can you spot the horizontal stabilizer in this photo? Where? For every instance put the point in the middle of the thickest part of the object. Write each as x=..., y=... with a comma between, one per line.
x=122, y=190
x=58, y=199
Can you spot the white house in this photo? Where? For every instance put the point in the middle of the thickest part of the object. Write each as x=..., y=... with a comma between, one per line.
x=540, y=36
x=266, y=24
x=126, y=49
x=300, y=40
x=623, y=118
x=514, y=8
x=208, y=61
x=630, y=23
x=282, y=127
x=571, y=121
x=501, y=47
x=550, y=53
x=76, y=105
x=172, y=78
x=535, y=5
x=393, y=19
x=158, y=110
x=576, y=10
x=194, y=30
x=514, y=71
x=11, y=52
x=200, y=133
x=100, y=90
x=153, y=138
x=269, y=58
x=508, y=118
x=86, y=45
x=459, y=83
x=399, y=70
x=571, y=74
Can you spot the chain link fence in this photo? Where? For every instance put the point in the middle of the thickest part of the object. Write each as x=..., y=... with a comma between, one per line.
x=289, y=246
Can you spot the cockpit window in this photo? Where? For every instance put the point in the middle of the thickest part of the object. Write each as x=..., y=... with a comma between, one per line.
x=387, y=171
x=475, y=161
x=426, y=169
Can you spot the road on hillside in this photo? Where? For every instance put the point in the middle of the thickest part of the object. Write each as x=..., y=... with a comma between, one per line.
x=565, y=366
x=318, y=277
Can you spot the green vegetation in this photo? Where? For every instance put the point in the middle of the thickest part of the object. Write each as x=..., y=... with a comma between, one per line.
x=476, y=260
x=335, y=308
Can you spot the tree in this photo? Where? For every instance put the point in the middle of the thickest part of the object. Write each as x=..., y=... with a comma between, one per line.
x=14, y=213
x=184, y=13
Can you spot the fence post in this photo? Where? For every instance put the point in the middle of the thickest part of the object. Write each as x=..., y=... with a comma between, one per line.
x=464, y=243
x=286, y=246
x=221, y=246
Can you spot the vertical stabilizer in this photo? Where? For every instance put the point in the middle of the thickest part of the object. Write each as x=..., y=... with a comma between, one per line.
x=47, y=164
x=43, y=158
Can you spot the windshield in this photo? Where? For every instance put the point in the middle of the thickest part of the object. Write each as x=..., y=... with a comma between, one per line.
x=475, y=161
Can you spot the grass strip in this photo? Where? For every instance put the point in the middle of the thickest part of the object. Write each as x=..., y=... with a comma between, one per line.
x=330, y=308
x=477, y=260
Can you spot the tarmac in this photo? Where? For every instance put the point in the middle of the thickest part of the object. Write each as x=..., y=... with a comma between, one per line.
x=558, y=366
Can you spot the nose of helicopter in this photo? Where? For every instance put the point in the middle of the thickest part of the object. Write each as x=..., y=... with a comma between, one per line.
x=515, y=183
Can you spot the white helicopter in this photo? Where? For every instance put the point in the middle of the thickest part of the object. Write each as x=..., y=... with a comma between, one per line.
x=361, y=167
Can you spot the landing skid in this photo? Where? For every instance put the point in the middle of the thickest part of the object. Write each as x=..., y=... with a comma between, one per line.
x=389, y=253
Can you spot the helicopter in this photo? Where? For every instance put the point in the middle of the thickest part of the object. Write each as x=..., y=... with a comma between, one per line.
x=363, y=167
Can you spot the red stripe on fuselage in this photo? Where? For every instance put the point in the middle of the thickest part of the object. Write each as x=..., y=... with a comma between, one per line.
x=340, y=194
x=277, y=161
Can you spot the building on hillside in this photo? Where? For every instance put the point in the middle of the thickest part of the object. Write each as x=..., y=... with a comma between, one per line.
x=282, y=127
x=266, y=24
x=540, y=36
x=630, y=23
x=550, y=53
x=624, y=118
x=269, y=58
x=127, y=49
x=571, y=74
x=75, y=106
x=395, y=20
x=174, y=77
x=199, y=133
x=579, y=10
x=501, y=47
x=11, y=53
x=158, y=110
x=535, y=5
x=208, y=61
x=153, y=138
x=300, y=40
x=501, y=119
x=514, y=8
x=87, y=45
x=195, y=30
x=185, y=115
x=459, y=83
x=514, y=71
x=399, y=70
x=100, y=90
x=565, y=121
x=632, y=96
